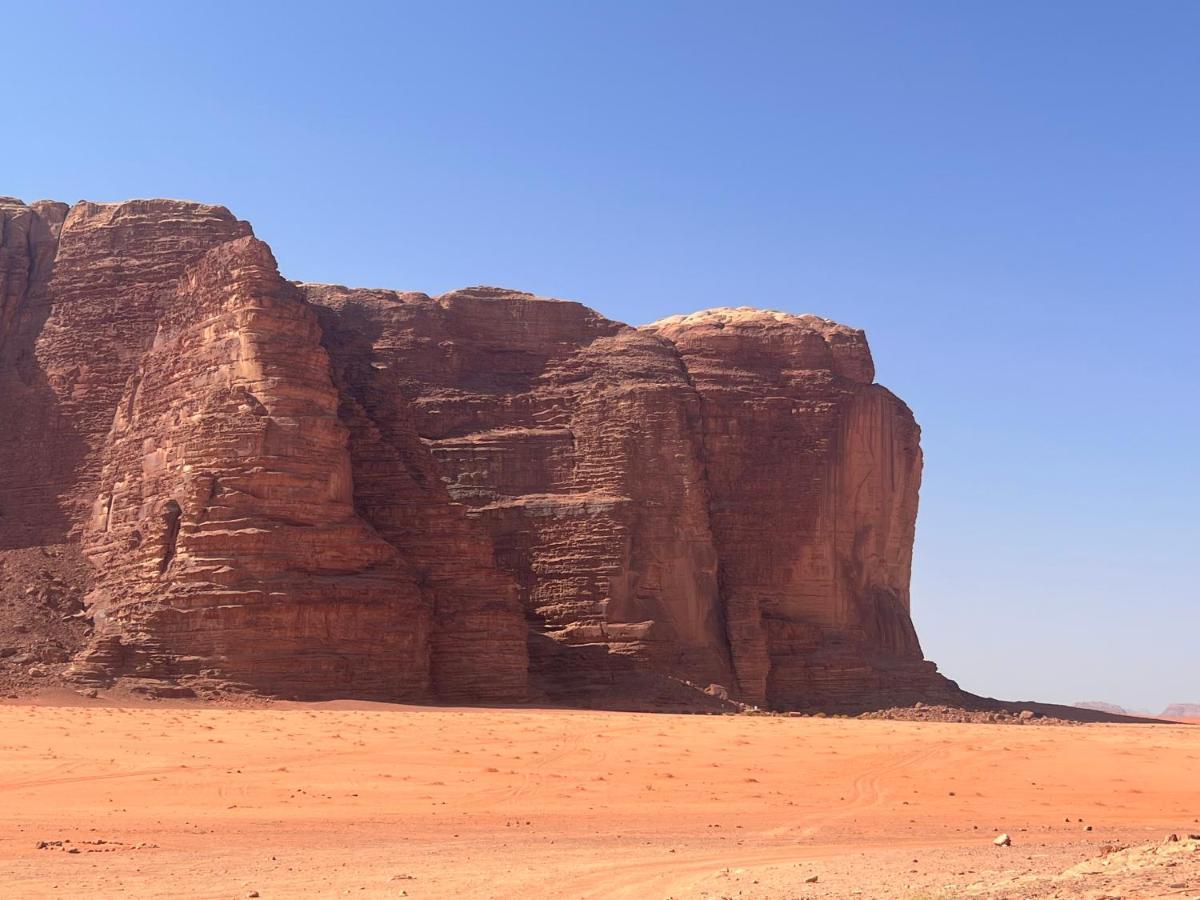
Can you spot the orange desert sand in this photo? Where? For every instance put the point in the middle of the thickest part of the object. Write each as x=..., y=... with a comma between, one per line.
x=376, y=800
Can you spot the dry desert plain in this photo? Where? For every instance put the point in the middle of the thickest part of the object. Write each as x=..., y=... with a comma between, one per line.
x=371, y=800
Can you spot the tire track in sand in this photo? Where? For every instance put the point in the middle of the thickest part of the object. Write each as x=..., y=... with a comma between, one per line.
x=661, y=878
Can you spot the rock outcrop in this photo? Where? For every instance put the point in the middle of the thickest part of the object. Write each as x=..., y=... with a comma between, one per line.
x=314, y=491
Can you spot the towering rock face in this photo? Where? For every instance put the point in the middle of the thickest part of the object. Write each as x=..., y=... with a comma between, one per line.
x=175, y=414
x=314, y=491
x=565, y=445
x=813, y=472
x=224, y=534
x=83, y=291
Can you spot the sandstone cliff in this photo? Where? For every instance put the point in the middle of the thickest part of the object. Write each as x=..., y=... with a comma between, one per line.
x=314, y=491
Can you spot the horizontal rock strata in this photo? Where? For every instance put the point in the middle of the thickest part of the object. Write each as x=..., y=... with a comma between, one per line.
x=315, y=491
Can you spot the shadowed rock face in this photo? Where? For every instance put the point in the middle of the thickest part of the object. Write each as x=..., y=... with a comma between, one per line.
x=314, y=491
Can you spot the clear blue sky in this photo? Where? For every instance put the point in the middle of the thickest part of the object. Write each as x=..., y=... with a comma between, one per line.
x=1006, y=196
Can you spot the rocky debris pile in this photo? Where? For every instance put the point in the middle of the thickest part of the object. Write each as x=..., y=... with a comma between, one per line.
x=93, y=846
x=922, y=712
x=1175, y=849
x=1168, y=868
x=42, y=618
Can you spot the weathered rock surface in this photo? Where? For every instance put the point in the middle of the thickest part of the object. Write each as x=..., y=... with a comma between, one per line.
x=813, y=472
x=314, y=491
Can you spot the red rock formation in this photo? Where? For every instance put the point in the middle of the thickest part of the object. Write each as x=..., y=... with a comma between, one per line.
x=83, y=293
x=224, y=535
x=813, y=472
x=314, y=491
x=568, y=439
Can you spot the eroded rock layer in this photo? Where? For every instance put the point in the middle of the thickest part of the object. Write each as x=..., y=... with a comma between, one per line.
x=313, y=491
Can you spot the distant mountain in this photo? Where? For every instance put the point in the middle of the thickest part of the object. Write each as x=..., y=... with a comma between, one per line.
x=1101, y=706
x=1182, y=711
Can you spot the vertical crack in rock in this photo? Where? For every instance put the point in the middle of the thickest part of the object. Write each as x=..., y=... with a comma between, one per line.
x=477, y=637
x=171, y=516
x=697, y=433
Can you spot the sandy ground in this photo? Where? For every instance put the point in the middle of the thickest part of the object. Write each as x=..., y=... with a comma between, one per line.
x=371, y=800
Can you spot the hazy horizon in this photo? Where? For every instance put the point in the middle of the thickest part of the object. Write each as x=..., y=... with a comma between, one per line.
x=1006, y=199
